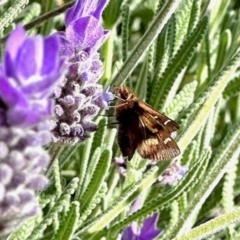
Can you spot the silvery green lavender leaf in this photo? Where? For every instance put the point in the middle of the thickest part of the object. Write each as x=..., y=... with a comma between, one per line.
x=30, y=70
x=79, y=97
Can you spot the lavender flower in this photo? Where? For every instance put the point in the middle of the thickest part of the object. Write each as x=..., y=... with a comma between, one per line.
x=79, y=97
x=148, y=231
x=170, y=176
x=173, y=173
x=29, y=73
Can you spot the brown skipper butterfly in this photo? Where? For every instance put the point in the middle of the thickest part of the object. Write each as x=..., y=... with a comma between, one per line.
x=143, y=128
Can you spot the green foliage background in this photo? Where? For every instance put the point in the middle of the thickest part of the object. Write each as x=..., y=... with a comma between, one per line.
x=182, y=57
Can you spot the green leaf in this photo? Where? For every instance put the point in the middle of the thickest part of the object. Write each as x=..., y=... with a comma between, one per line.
x=188, y=155
x=69, y=223
x=26, y=228
x=11, y=14
x=213, y=226
x=227, y=151
x=201, y=107
x=150, y=35
x=98, y=137
x=195, y=14
x=232, y=89
x=97, y=179
x=91, y=167
x=162, y=52
x=61, y=203
x=182, y=100
x=98, y=223
x=183, y=15
x=83, y=166
x=32, y=10
x=57, y=177
x=93, y=204
x=185, y=185
x=125, y=31
x=165, y=87
x=228, y=190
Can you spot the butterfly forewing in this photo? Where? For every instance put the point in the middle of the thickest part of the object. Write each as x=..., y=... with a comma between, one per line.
x=166, y=122
x=143, y=128
x=128, y=137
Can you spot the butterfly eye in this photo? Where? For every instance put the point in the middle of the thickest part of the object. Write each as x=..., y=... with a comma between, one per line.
x=123, y=95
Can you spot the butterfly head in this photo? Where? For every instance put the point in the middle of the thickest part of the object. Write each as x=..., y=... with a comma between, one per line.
x=124, y=94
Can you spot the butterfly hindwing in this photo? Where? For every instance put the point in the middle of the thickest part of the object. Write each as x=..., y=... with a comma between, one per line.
x=158, y=146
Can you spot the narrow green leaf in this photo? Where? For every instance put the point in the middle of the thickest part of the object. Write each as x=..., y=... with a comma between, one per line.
x=183, y=15
x=195, y=15
x=32, y=10
x=61, y=203
x=110, y=139
x=182, y=100
x=25, y=229
x=187, y=183
x=68, y=225
x=57, y=177
x=125, y=34
x=225, y=42
x=228, y=150
x=99, y=222
x=83, y=165
x=150, y=35
x=228, y=190
x=98, y=137
x=216, y=16
x=164, y=88
x=213, y=226
x=8, y=16
x=188, y=154
x=91, y=168
x=97, y=179
x=163, y=52
x=205, y=102
x=93, y=204
x=232, y=89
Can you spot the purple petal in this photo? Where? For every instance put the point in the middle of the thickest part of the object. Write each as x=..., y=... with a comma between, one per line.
x=128, y=234
x=80, y=9
x=149, y=229
x=66, y=49
x=12, y=48
x=10, y=94
x=101, y=5
x=30, y=116
x=51, y=55
x=100, y=41
x=29, y=59
x=173, y=173
x=84, y=33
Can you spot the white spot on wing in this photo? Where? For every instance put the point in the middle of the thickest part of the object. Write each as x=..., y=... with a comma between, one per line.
x=173, y=134
x=166, y=122
x=167, y=140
